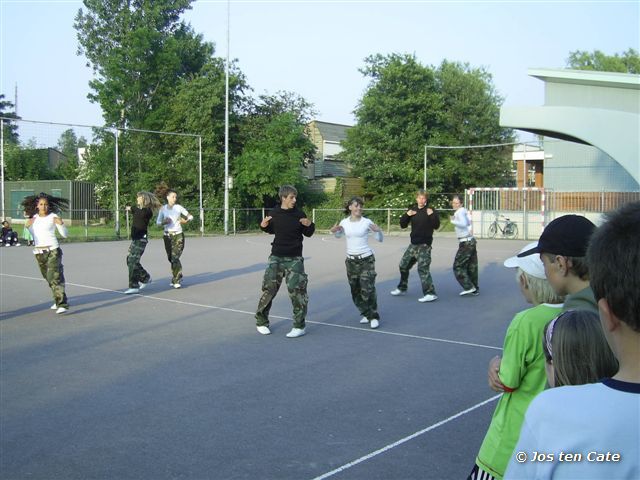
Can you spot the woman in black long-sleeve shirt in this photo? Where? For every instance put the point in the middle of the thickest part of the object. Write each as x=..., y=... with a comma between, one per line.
x=139, y=278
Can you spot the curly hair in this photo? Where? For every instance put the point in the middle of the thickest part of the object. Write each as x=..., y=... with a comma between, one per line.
x=56, y=204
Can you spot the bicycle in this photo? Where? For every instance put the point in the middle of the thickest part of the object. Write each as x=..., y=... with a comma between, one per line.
x=509, y=230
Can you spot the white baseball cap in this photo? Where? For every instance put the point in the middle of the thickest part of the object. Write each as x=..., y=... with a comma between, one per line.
x=530, y=264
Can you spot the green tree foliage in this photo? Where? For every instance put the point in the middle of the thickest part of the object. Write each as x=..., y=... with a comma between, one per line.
x=68, y=145
x=408, y=105
x=199, y=106
x=627, y=62
x=139, y=51
x=142, y=54
x=27, y=162
x=273, y=156
x=154, y=73
x=10, y=128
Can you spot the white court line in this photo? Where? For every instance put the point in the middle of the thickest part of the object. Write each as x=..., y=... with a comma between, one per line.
x=234, y=310
x=404, y=440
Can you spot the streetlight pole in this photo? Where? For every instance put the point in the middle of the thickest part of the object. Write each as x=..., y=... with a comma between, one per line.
x=226, y=129
x=424, y=173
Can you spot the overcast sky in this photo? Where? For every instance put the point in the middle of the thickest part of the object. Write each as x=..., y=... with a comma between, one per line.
x=315, y=48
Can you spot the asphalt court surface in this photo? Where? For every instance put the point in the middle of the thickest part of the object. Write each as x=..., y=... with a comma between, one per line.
x=177, y=384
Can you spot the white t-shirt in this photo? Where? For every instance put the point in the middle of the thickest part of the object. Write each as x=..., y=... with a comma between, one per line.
x=591, y=420
x=172, y=213
x=462, y=223
x=357, y=234
x=43, y=230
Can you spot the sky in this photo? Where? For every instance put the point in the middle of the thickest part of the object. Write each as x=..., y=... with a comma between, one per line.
x=316, y=48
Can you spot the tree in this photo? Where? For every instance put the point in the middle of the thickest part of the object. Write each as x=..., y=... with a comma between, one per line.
x=68, y=145
x=141, y=54
x=408, y=106
x=28, y=162
x=139, y=51
x=10, y=128
x=627, y=62
x=271, y=158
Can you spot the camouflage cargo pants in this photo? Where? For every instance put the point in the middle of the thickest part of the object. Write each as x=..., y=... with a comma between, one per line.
x=174, y=245
x=292, y=270
x=50, y=263
x=465, y=265
x=137, y=273
x=361, y=274
x=420, y=254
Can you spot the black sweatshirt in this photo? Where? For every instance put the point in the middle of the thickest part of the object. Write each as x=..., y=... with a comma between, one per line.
x=286, y=226
x=141, y=217
x=422, y=225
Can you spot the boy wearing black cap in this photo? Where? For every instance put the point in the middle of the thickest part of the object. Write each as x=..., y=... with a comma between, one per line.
x=562, y=248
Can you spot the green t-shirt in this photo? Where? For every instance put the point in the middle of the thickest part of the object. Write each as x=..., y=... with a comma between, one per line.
x=521, y=369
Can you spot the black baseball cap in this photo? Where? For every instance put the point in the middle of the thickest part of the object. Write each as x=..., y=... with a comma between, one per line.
x=568, y=235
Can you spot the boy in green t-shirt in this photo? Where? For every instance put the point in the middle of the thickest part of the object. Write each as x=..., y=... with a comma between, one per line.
x=520, y=373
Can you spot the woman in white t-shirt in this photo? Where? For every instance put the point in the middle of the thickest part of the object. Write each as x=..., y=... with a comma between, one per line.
x=360, y=262
x=172, y=216
x=42, y=223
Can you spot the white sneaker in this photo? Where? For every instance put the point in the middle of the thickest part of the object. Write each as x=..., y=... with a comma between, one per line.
x=429, y=297
x=177, y=285
x=17, y=244
x=468, y=292
x=144, y=285
x=264, y=330
x=7, y=244
x=398, y=292
x=54, y=307
x=296, y=332
x=374, y=323
x=62, y=310
x=364, y=320
x=129, y=291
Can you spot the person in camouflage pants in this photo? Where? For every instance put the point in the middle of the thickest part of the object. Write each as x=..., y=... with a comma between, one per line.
x=137, y=273
x=361, y=274
x=288, y=224
x=360, y=261
x=292, y=270
x=465, y=265
x=424, y=220
x=171, y=217
x=146, y=203
x=420, y=254
x=50, y=263
x=174, y=245
x=42, y=221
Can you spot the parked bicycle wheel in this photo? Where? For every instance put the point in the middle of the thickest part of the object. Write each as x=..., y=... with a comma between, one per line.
x=511, y=231
x=493, y=230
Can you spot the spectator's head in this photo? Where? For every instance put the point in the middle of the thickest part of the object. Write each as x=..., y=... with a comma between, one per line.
x=562, y=248
x=614, y=265
x=531, y=278
x=576, y=349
